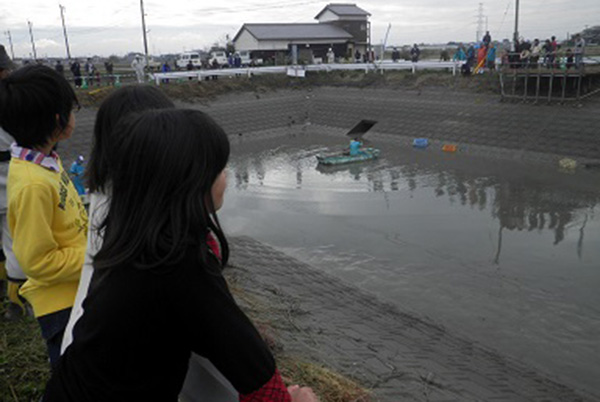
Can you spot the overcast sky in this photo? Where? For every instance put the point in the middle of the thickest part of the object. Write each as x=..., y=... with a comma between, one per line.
x=105, y=27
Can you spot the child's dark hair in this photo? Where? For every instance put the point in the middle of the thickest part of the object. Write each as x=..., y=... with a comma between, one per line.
x=35, y=101
x=161, y=189
x=126, y=100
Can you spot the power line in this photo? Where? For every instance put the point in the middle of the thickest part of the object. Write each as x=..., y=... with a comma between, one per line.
x=504, y=16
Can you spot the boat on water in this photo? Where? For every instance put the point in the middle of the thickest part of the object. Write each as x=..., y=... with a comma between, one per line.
x=342, y=158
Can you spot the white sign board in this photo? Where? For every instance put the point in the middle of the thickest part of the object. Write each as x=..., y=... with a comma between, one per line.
x=296, y=72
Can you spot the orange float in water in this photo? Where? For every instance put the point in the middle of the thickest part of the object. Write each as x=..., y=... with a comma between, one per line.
x=449, y=148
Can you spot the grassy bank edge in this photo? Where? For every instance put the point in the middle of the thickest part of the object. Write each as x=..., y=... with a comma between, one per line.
x=24, y=367
x=193, y=91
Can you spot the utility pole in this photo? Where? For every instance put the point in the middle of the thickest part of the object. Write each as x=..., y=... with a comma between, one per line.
x=144, y=30
x=32, y=41
x=12, y=51
x=516, y=36
x=479, y=22
x=62, y=17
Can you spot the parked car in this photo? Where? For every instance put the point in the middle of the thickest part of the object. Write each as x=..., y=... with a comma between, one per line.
x=245, y=55
x=185, y=59
x=219, y=56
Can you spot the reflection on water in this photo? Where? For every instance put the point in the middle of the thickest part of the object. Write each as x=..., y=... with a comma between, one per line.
x=502, y=253
x=515, y=204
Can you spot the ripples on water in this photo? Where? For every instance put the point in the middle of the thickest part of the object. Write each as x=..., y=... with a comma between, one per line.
x=505, y=253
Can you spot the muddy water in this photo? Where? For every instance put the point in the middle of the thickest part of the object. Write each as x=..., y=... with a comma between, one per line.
x=504, y=253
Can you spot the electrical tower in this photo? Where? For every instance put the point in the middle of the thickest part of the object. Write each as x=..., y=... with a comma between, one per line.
x=480, y=19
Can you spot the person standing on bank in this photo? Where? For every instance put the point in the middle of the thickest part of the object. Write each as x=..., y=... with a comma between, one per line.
x=46, y=218
x=76, y=70
x=579, y=51
x=157, y=291
x=11, y=272
x=415, y=52
x=487, y=39
x=122, y=102
x=138, y=66
x=59, y=67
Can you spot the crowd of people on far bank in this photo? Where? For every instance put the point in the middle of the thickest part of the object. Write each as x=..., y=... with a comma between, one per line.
x=523, y=54
x=88, y=75
x=485, y=54
x=474, y=58
x=527, y=54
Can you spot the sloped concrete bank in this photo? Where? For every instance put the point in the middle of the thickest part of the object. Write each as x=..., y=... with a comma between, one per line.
x=399, y=356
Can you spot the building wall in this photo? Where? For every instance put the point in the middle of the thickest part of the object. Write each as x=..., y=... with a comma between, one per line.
x=329, y=16
x=246, y=42
x=273, y=45
x=358, y=29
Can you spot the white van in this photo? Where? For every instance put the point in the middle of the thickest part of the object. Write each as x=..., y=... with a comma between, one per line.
x=247, y=60
x=219, y=56
x=185, y=59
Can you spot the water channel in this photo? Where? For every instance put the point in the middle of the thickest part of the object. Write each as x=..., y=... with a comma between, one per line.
x=501, y=252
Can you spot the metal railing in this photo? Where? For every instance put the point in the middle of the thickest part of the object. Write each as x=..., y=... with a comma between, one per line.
x=380, y=67
x=548, y=78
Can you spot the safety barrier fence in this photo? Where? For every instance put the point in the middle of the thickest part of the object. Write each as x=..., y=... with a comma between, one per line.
x=299, y=71
x=550, y=79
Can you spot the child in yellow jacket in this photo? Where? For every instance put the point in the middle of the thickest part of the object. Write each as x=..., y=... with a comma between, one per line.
x=46, y=218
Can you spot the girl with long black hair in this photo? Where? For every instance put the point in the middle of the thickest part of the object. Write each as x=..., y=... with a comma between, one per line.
x=134, y=340
x=119, y=104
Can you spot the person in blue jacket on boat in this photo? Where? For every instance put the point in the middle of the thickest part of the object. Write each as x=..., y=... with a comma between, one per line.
x=355, y=145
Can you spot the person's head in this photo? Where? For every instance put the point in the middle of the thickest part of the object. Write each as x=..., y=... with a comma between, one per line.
x=6, y=64
x=168, y=184
x=125, y=100
x=553, y=38
x=36, y=106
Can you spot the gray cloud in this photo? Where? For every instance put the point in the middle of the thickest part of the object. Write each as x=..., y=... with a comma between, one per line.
x=174, y=27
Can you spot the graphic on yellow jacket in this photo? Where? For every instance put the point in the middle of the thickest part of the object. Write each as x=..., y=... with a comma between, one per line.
x=48, y=223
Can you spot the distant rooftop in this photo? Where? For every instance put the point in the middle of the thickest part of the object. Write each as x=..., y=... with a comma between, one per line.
x=294, y=31
x=344, y=10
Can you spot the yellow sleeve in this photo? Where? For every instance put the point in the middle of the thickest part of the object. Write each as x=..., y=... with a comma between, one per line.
x=40, y=256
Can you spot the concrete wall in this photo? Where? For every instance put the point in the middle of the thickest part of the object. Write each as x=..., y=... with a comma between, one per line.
x=329, y=16
x=246, y=41
x=442, y=115
x=358, y=29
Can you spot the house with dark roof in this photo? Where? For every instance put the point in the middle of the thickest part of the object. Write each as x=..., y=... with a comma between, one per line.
x=344, y=28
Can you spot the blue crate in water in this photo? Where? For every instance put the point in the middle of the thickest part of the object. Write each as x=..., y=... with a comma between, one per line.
x=420, y=143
